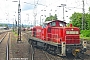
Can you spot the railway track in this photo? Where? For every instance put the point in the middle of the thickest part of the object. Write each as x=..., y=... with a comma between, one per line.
x=4, y=47
x=4, y=31
x=39, y=54
x=4, y=35
x=7, y=48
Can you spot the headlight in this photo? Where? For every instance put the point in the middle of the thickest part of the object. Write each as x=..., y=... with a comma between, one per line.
x=72, y=32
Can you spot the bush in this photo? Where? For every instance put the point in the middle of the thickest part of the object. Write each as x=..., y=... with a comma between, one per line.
x=85, y=33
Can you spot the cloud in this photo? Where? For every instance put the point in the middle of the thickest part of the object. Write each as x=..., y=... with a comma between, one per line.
x=9, y=7
x=27, y=7
x=30, y=4
x=27, y=17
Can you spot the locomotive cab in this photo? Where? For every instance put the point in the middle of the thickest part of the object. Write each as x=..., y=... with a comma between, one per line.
x=57, y=23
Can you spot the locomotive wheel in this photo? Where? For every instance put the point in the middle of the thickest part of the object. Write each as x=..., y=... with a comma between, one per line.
x=80, y=55
x=75, y=52
x=45, y=47
x=55, y=51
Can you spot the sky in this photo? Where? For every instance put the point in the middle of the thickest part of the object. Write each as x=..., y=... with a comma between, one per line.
x=43, y=9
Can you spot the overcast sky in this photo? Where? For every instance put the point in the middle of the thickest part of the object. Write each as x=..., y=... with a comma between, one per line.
x=9, y=9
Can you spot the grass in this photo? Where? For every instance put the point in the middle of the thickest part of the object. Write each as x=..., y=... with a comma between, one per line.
x=15, y=33
x=86, y=38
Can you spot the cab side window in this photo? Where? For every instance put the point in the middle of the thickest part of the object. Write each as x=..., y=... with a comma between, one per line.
x=53, y=24
x=61, y=24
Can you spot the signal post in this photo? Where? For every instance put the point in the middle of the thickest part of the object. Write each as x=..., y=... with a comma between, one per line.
x=19, y=23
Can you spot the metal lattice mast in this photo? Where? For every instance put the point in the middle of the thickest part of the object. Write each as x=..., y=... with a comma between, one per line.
x=35, y=13
x=19, y=22
x=63, y=5
x=83, y=15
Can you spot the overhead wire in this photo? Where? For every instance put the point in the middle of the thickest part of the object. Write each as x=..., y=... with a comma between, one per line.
x=87, y=4
x=78, y=4
x=2, y=9
x=76, y=1
x=46, y=6
x=87, y=9
x=67, y=7
x=57, y=1
x=75, y=6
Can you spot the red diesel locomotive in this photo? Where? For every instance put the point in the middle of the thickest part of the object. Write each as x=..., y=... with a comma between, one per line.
x=56, y=38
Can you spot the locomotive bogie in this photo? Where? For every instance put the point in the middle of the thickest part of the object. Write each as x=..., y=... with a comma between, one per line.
x=57, y=49
x=53, y=49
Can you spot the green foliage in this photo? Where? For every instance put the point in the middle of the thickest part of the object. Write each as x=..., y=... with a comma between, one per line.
x=15, y=32
x=47, y=19
x=85, y=33
x=87, y=21
x=89, y=9
x=1, y=25
x=50, y=18
x=5, y=25
x=76, y=20
x=55, y=17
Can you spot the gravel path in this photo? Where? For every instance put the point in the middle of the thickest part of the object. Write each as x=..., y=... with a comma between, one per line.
x=22, y=50
x=19, y=50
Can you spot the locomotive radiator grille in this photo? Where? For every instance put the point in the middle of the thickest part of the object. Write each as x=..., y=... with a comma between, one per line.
x=72, y=40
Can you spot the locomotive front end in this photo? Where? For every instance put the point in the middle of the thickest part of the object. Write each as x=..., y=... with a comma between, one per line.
x=72, y=36
x=73, y=43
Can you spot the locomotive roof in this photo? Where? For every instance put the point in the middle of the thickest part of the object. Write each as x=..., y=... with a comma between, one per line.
x=54, y=21
x=47, y=22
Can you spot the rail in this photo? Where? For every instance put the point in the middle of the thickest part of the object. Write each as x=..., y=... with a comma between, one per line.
x=46, y=56
x=2, y=31
x=3, y=38
x=32, y=54
x=7, y=48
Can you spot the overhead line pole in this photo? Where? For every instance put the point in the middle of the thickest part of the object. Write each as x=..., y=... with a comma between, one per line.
x=19, y=22
x=35, y=13
x=63, y=11
x=83, y=15
x=63, y=5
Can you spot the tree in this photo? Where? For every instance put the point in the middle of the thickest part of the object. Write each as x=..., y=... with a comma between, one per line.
x=47, y=19
x=50, y=18
x=76, y=20
x=89, y=9
x=87, y=17
x=55, y=17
